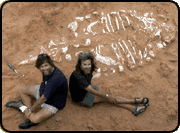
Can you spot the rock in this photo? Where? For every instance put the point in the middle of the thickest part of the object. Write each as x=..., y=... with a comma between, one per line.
x=58, y=119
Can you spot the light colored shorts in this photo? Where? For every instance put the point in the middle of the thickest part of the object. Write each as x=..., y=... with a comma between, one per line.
x=89, y=98
x=44, y=105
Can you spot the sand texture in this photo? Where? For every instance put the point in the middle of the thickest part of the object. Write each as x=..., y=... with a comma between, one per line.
x=136, y=49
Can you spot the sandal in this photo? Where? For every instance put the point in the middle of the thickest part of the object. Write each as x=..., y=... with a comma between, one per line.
x=142, y=102
x=15, y=104
x=136, y=113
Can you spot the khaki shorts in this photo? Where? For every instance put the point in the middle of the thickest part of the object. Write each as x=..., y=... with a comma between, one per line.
x=89, y=98
x=44, y=105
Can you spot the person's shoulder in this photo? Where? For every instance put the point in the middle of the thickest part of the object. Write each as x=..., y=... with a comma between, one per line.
x=58, y=72
x=75, y=73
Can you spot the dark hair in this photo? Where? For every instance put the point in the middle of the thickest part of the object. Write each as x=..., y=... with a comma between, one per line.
x=42, y=58
x=83, y=57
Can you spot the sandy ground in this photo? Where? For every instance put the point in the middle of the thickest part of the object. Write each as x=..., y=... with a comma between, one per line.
x=28, y=29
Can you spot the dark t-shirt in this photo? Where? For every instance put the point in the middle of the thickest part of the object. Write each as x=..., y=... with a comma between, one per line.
x=77, y=84
x=55, y=89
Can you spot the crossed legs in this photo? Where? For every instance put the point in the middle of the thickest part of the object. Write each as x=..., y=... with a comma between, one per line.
x=26, y=93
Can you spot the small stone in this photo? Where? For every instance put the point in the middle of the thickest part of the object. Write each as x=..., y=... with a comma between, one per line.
x=121, y=68
x=57, y=119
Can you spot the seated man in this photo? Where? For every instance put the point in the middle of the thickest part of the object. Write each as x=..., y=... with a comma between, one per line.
x=50, y=95
x=83, y=92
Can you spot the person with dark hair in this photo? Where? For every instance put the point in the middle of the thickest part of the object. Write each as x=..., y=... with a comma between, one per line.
x=50, y=95
x=84, y=93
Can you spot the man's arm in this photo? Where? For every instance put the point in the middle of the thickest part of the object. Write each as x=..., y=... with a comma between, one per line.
x=38, y=103
x=97, y=93
x=110, y=98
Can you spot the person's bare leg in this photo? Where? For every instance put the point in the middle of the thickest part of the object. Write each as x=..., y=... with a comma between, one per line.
x=25, y=93
x=129, y=106
x=126, y=106
x=122, y=100
x=41, y=115
x=99, y=100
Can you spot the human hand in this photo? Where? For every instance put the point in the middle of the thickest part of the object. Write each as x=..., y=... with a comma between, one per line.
x=111, y=99
x=27, y=113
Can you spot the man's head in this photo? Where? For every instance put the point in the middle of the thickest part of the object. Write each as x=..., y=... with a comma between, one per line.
x=86, y=63
x=45, y=64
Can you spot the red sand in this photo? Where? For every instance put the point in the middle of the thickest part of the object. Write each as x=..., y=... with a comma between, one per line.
x=28, y=26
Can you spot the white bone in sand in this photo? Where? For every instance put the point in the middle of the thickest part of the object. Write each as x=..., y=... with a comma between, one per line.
x=151, y=53
x=117, y=52
x=112, y=70
x=105, y=60
x=88, y=41
x=132, y=47
x=129, y=51
x=121, y=45
x=164, y=44
x=73, y=26
x=99, y=47
x=148, y=59
x=121, y=20
x=145, y=53
x=89, y=27
x=88, y=16
x=77, y=53
x=110, y=22
x=122, y=10
x=117, y=23
x=76, y=34
x=68, y=57
x=54, y=50
x=159, y=45
x=52, y=43
x=65, y=49
x=140, y=53
x=115, y=48
x=113, y=12
x=33, y=58
x=127, y=20
x=121, y=68
x=76, y=46
x=80, y=18
x=43, y=50
x=105, y=19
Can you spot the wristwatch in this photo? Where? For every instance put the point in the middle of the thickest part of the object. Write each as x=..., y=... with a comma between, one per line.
x=30, y=110
x=107, y=95
x=30, y=113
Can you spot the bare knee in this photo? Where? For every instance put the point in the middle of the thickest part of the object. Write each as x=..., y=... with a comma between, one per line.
x=34, y=118
x=99, y=100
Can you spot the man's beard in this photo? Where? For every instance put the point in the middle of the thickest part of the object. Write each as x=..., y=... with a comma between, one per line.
x=47, y=72
x=87, y=72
